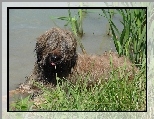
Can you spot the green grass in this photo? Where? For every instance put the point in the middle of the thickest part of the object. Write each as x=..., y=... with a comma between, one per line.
x=116, y=94
x=22, y=104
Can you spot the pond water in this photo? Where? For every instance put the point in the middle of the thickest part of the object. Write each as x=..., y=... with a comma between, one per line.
x=25, y=25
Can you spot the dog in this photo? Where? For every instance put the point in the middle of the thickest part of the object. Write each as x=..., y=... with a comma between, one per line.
x=56, y=55
x=55, y=58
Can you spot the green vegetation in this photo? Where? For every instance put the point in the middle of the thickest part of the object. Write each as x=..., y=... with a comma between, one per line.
x=21, y=104
x=132, y=41
x=113, y=95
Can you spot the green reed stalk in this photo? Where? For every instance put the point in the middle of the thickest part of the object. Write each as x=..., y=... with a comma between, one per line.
x=132, y=41
x=80, y=22
x=75, y=29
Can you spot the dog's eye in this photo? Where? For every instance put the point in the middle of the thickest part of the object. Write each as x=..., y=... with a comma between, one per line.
x=54, y=57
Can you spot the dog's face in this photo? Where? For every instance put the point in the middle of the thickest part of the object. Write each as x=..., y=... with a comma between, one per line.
x=53, y=59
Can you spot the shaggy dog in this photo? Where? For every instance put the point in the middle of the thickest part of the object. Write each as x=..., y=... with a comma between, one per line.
x=56, y=55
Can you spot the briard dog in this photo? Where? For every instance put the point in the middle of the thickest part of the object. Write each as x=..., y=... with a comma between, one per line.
x=56, y=55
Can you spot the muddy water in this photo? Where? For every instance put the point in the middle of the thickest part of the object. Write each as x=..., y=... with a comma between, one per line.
x=25, y=25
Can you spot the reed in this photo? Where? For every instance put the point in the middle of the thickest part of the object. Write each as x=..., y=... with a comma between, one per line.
x=76, y=25
x=132, y=40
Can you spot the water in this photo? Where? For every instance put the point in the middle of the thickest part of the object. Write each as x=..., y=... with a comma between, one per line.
x=25, y=25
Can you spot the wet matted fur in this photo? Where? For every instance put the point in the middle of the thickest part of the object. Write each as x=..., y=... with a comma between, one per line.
x=56, y=54
x=98, y=68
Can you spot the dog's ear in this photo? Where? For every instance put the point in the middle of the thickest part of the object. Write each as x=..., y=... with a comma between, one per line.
x=38, y=52
x=39, y=57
